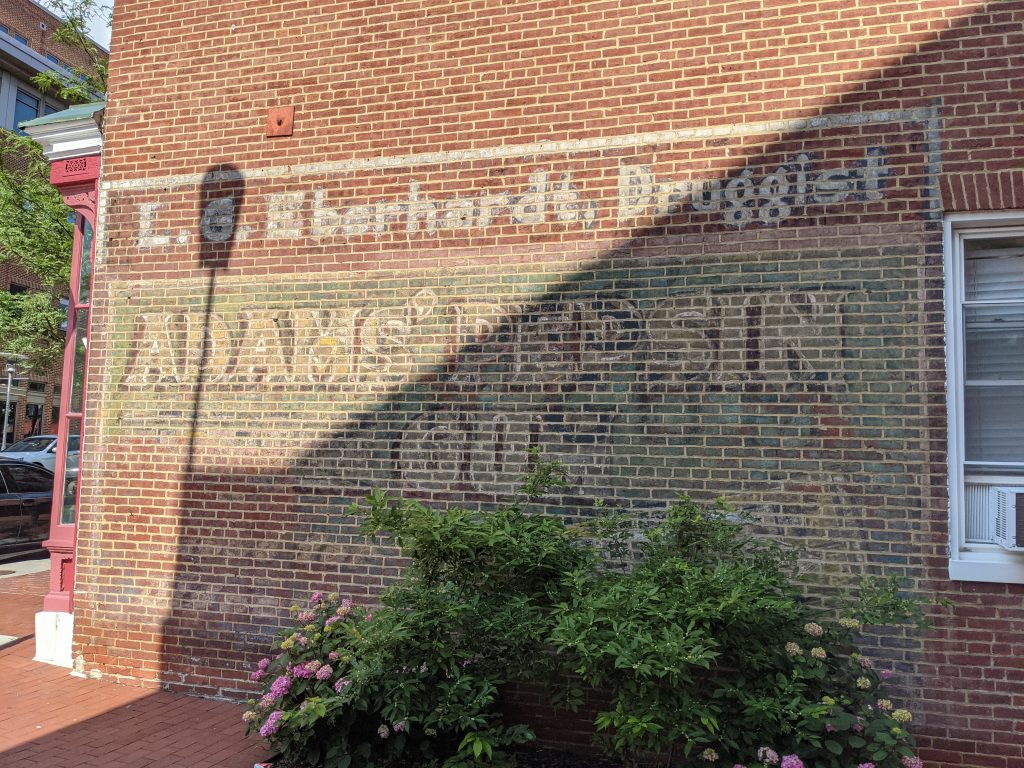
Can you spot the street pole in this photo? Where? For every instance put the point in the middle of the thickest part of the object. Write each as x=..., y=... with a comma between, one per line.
x=7, y=404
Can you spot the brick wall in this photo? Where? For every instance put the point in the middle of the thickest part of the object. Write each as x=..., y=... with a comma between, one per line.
x=681, y=247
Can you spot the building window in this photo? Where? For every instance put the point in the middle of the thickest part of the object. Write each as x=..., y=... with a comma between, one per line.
x=16, y=289
x=5, y=29
x=52, y=59
x=20, y=39
x=12, y=423
x=985, y=365
x=26, y=107
x=33, y=420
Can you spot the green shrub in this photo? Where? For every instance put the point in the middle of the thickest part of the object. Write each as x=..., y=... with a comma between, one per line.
x=709, y=646
x=706, y=647
x=418, y=680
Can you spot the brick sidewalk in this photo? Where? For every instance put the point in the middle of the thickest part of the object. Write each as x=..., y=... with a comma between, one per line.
x=49, y=718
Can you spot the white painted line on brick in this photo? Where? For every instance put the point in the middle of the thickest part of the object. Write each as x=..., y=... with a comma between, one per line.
x=922, y=114
x=7, y=640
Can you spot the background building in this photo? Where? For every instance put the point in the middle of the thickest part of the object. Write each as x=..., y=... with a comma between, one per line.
x=771, y=251
x=27, y=47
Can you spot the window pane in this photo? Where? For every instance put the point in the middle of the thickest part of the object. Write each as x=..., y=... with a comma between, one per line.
x=994, y=269
x=69, y=508
x=29, y=479
x=26, y=107
x=31, y=445
x=85, y=272
x=12, y=425
x=34, y=419
x=78, y=374
x=994, y=346
x=994, y=423
x=10, y=521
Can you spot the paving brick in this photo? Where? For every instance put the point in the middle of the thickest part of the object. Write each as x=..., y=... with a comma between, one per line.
x=54, y=719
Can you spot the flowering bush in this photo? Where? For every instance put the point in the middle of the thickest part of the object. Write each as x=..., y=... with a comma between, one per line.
x=417, y=679
x=705, y=646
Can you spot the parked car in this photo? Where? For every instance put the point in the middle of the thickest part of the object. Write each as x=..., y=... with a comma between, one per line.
x=41, y=450
x=26, y=493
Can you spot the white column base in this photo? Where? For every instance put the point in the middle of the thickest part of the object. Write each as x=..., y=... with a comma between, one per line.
x=53, y=638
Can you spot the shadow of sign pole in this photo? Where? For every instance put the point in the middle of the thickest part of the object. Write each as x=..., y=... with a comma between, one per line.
x=221, y=194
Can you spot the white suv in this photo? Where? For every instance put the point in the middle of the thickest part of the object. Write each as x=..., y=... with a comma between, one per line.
x=41, y=450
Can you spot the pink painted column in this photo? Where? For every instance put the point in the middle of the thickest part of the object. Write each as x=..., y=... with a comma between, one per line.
x=77, y=179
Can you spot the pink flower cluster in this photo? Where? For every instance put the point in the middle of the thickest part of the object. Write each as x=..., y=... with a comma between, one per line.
x=280, y=686
x=272, y=725
x=261, y=670
x=303, y=672
x=791, y=761
x=325, y=672
x=912, y=761
x=342, y=684
x=768, y=756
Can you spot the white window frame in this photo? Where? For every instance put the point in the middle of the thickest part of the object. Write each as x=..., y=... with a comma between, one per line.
x=969, y=561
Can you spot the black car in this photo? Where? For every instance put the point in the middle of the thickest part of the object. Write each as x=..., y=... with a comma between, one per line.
x=26, y=494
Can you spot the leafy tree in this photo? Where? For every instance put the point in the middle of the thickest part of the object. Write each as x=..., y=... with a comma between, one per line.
x=36, y=234
x=82, y=84
x=36, y=228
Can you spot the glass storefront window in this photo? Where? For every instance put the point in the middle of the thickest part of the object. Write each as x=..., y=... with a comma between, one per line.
x=85, y=273
x=78, y=372
x=71, y=469
x=75, y=381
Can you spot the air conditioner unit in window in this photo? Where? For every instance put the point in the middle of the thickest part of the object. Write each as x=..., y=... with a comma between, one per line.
x=1008, y=504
